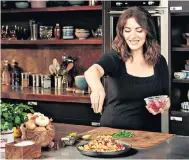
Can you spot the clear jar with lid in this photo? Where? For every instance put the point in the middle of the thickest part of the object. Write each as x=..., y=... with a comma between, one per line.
x=67, y=32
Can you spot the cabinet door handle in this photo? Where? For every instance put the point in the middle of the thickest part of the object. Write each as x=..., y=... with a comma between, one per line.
x=173, y=118
x=32, y=103
x=176, y=8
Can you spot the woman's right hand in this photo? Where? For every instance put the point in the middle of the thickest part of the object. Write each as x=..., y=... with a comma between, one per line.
x=97, y=100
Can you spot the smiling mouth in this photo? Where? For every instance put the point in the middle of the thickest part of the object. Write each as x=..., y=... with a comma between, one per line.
x=134, y=41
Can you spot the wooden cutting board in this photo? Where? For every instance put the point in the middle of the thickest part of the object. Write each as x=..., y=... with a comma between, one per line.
x=141, y=139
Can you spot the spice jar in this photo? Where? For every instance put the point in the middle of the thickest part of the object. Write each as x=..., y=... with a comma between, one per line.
x=67, y=32
x=25, y=79
x=46, y=81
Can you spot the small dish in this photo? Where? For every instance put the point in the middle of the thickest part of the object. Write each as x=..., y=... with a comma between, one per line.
x=82, y=35
x=69, y=141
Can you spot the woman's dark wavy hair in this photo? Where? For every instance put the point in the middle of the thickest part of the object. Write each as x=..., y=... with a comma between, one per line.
x=151, y=48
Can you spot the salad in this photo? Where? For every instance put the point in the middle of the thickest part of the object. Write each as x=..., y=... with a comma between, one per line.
x=102, y=143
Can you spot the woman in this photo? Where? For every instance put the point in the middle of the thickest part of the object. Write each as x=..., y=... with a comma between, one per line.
x=135, y=70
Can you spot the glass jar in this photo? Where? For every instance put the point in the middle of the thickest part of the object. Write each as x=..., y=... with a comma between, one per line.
x=46, y=81
x=67, y=32
x=45, y=32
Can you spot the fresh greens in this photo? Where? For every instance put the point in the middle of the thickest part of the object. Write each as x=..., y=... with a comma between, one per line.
x=13, y=115
x=122, y=134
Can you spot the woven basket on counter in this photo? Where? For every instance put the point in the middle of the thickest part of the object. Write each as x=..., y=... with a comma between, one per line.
x=45, y=138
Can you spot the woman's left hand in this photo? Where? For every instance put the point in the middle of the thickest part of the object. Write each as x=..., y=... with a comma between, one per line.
x=161, y=110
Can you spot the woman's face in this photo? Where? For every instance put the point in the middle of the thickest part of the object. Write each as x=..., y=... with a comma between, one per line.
x=134, y=34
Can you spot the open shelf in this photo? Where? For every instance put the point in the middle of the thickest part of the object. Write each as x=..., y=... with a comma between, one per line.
x=181, y=49
x=41, y=94
x=180, y=80
x=38, y=42
x=54, y=9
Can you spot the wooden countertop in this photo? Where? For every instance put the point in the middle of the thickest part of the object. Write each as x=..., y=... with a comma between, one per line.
x=41, y=94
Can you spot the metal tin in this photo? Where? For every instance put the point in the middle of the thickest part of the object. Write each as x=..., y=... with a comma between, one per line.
x=67, y=32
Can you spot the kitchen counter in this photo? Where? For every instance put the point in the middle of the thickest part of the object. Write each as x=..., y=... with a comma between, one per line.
x=173, y=148
x=41, y=94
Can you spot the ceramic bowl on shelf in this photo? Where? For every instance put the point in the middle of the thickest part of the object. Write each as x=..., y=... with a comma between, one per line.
x=75, y=3
x=186, y=73
x=179, y=75
x=38, y=4
x=21, y=5
x=82, y=35
x=156, y=102
x=81, y=82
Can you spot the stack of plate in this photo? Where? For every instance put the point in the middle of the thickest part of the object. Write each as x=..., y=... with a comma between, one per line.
x=185, y=106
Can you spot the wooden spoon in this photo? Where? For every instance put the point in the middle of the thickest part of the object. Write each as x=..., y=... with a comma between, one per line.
x=69, y=66
x=56, y=65
x=52, y=70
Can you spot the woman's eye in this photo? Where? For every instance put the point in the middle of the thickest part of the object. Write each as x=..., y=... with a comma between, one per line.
x=127, y=31
x=139, y=31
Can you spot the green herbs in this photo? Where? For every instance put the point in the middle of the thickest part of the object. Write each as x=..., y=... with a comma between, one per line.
x=13, y=115
x=122, y=134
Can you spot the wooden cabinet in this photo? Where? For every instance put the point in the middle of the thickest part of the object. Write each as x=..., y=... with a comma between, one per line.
x=178, y=54
x=179, y=123
x=36, y=55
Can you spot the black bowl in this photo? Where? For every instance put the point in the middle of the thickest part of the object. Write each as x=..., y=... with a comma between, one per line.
x=104, y=154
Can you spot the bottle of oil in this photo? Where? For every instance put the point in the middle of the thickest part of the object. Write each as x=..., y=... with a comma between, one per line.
x=57, y=31
x=6, y=78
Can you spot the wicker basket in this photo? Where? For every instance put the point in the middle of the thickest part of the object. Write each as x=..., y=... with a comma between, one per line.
x=45, y=138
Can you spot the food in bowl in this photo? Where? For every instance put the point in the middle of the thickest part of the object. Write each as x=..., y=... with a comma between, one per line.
x=103, y=143
x=156, y=102
x=81, y=82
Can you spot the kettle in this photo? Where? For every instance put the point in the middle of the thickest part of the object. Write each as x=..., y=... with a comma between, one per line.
x=98, y=32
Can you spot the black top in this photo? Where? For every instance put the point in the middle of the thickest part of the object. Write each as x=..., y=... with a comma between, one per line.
x=125, y=93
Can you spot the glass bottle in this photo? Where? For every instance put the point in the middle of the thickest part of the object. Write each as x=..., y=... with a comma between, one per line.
x=64, y=82
x=16, y=74
x=6, y=78
x=57, y=31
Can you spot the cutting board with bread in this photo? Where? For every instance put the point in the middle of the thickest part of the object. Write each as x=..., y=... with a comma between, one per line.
x=139, y=140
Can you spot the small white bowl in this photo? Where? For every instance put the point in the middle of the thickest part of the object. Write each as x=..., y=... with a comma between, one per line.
x=82, y=35
x=179, y=75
